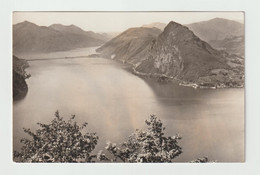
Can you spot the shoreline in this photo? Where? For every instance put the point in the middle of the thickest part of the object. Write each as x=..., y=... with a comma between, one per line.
x=61, y=58
x=163, y=77
x=156, y=76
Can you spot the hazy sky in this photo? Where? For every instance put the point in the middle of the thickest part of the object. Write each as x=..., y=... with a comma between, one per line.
x=118, y=21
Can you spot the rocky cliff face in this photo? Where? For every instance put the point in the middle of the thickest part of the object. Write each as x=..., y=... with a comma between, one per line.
x=178, y=53
x=20, y=87
x=19, y=66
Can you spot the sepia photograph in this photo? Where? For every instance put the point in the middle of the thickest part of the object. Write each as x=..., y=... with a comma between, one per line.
x=128, y=87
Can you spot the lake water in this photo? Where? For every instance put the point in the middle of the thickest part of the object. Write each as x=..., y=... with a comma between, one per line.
x=115, y=102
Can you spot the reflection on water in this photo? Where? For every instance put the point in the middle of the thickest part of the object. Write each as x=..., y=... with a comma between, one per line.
x=115, y=102
x=210, y=121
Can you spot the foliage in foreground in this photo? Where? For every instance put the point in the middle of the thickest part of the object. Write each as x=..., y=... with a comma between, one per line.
x=145, y=146
x=64, y=141
x=204, y=159
x=60, y=141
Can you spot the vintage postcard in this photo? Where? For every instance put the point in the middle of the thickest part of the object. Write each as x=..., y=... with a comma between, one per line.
x=128, y=87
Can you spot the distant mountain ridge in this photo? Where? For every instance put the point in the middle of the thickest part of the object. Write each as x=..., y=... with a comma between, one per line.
x=216, y=29
x=67, y=28
x=31, y=38
x=222, y=34
x=76, y=30
x=232, y=44
x=158, y=25
x=131, y=45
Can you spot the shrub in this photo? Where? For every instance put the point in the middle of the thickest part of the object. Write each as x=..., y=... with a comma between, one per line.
x=145, y=146
x=64, y=141
x=59, y=141
x=201, y=160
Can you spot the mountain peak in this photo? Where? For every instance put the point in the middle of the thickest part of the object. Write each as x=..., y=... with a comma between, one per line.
x=217, y=18
x=177, y=31
x=53, y=25
x=174, y=26
x=224, y=20
x=178, y=52
x=25, y=23
x=173, y=23
x=66, y=28
x=72, y=25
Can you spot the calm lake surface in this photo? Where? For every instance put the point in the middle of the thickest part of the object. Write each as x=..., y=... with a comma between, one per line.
x=115, y=102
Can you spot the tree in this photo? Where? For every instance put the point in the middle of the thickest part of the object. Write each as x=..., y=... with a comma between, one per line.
x=66, y=141
x=201, y=160
x=60, y=141
x=145, y=146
